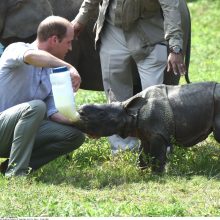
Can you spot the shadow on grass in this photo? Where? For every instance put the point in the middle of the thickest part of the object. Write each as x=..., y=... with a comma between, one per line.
x=93, y=170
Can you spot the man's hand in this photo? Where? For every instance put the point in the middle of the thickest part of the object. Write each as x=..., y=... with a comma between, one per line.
x=77, y=28
x=176, y=63
x=75, y=78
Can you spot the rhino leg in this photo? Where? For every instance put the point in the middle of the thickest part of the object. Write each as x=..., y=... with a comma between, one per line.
x=144, y=155
x=158, y=152
x=153, y=153
x=216, y=125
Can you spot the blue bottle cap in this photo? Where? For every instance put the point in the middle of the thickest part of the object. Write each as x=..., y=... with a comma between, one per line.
x=60, y=69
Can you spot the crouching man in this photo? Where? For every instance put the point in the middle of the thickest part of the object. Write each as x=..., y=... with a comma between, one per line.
x=32, y=131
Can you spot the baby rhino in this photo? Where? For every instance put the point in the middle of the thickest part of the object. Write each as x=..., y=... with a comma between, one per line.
x=158, y=116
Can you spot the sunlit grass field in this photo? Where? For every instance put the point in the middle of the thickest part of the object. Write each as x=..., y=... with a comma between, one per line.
x=91, y=182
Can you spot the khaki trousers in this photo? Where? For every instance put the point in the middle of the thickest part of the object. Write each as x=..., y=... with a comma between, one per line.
x=117, y=52
x=29, y=141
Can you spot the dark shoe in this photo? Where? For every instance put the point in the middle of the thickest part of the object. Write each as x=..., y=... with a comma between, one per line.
x=4, y=166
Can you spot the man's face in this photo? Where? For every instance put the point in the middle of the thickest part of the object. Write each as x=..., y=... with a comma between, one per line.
x=62, y=47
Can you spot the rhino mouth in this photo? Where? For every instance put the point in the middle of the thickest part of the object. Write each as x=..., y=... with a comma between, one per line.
x=87, y=125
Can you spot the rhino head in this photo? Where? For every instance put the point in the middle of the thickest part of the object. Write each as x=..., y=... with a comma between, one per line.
x=102, y=120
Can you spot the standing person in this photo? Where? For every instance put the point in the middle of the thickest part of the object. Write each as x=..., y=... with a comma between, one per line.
x=32, y=131
x=139, y=31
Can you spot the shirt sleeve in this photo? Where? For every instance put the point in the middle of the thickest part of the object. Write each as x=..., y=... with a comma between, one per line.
x=87, y=10
x=13, y=55
x=172, y=22
x=51, y=109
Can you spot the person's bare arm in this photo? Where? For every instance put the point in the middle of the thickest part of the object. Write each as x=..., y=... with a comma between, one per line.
x=58, y=117
x=41, y=58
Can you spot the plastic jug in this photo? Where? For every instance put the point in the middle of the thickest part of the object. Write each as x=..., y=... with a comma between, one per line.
x=63, y=92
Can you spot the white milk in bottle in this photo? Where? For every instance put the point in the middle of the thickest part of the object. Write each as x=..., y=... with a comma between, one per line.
x=63, y=92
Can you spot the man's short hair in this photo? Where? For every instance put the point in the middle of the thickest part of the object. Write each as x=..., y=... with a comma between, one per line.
x=52, y=25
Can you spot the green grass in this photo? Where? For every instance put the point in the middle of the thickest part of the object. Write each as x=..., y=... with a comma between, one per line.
x=93, y=183
x=205, y=59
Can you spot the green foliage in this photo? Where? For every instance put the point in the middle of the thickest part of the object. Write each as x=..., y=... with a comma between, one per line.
x=91, y=182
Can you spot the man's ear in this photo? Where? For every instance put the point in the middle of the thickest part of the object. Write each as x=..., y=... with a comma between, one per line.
x=133, y=105
x=53, y=40
x=111, y=96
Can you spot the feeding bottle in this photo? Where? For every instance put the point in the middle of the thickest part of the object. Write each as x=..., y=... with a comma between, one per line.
x=63, y=92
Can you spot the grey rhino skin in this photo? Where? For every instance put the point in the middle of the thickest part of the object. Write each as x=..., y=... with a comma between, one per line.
x=159, y=116
x=19, y=20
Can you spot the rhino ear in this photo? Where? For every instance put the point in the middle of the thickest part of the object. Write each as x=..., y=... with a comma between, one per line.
x=111, y=96
x=133, y=104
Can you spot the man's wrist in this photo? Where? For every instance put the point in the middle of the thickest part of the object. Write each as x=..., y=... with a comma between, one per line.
x=175, y=50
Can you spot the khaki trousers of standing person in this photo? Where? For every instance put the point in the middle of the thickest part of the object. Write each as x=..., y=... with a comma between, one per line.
x=117, y=56
x=29, y=141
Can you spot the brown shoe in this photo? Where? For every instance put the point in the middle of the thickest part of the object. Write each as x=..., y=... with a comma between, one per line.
x=4, y=166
